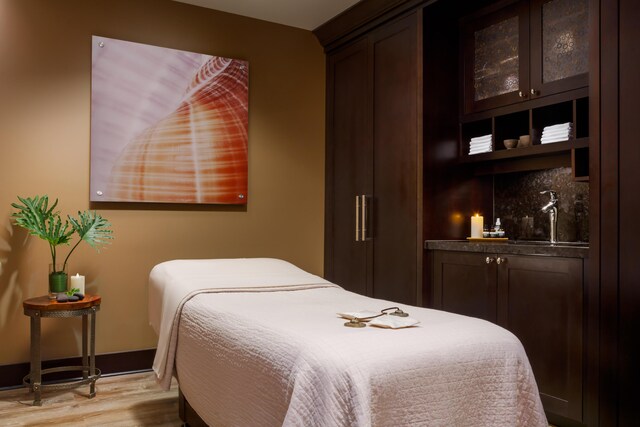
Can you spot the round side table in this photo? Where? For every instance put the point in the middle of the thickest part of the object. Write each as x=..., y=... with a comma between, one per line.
x=39, y=307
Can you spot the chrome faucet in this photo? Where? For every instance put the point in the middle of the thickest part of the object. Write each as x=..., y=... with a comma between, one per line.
x=552, y=209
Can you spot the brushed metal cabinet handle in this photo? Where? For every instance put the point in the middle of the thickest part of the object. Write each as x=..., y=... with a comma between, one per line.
x=357, y=218
x=364, y=218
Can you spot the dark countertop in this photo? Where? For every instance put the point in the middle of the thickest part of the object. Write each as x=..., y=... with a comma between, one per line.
x=568, y=250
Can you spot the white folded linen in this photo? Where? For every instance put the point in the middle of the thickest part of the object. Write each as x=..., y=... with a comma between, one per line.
x=484, y=150
x=554, y=139
x=481, y=139
x=362, y=314
x=393, y=322
x=562, y=136
x=559, y=126
x=477, y=147
x=557, y=132
x=477, y=138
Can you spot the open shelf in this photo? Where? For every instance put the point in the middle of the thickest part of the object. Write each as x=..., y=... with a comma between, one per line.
x=580, y=164
x=534, y=150
x=512, y=124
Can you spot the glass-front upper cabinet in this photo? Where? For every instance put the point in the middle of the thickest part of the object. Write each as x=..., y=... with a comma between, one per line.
x=522, y=51
x=559, y=45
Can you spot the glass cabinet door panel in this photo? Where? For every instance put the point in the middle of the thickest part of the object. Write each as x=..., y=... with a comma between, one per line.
x=495, y=54
x=565, y=39
x=496, y=59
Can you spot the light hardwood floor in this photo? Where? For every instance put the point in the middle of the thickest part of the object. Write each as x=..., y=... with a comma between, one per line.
x=124, y=400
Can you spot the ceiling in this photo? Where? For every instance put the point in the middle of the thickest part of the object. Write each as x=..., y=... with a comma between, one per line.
x=306, y=14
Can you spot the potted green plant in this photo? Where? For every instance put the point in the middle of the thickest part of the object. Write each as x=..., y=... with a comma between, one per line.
x=35, y=215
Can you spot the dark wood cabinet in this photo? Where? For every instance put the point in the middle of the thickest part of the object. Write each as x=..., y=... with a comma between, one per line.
x=525, y=67
x=538, y=298
x=559, y=46
x=373, y=200
x=465, y=283
x=517, y=51
x=495, y=54
x=348, y=164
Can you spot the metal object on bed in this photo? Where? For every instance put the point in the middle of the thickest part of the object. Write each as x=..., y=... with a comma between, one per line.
x=359, y=322
x=355, y=323
x=398, y=312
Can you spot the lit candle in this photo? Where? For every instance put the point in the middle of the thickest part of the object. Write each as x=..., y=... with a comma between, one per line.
x=77, y=282
x=477, y=225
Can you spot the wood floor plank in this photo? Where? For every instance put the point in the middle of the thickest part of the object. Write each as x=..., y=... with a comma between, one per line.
x=124, y=400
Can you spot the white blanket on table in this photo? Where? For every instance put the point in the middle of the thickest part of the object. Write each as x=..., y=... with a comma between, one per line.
x=173, y=283
x=283, y=358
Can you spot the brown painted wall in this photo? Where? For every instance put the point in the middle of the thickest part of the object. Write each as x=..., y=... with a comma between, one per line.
x=45, y=73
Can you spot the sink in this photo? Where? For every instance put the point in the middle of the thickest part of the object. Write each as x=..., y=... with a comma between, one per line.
x=547, y=243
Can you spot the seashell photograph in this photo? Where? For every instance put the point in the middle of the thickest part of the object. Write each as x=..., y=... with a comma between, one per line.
x=167, y=126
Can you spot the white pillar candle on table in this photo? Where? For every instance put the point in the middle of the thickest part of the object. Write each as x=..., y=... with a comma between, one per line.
x=477, y=225
x=77, y=282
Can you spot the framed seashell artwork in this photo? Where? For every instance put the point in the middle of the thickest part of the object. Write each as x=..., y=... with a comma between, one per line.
x=167, y=126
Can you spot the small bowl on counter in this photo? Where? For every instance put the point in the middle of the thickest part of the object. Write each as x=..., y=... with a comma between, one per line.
x=510, y=143
x=524, y=141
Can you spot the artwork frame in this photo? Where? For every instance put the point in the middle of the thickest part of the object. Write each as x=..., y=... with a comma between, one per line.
x=167, y=126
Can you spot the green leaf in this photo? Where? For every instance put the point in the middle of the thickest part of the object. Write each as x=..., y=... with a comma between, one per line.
x=72, y=291
x=40, y=220
x=92, y=228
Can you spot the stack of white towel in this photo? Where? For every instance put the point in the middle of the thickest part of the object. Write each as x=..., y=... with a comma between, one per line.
x=556, y=133
x=480, y=144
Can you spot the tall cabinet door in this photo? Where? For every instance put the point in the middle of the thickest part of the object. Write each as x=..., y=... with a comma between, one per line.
x=348, y=164
x=374, y=154
x=397, y=160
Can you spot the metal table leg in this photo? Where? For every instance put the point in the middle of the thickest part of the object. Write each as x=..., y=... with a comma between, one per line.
x=85, y=346
x=92, y=352
x=36, y=373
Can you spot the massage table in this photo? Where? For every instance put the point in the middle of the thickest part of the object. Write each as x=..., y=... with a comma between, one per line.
x=258, y=342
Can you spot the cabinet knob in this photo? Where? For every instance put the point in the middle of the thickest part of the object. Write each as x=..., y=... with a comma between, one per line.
x=489, y=260
x=501, y=260
x=521, y=94
x=534, y=92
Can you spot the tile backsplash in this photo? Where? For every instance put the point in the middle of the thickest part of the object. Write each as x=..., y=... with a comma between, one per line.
x=518, y=203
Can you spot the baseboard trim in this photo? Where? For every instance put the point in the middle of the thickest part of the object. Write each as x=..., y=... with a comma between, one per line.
x=109, y=364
